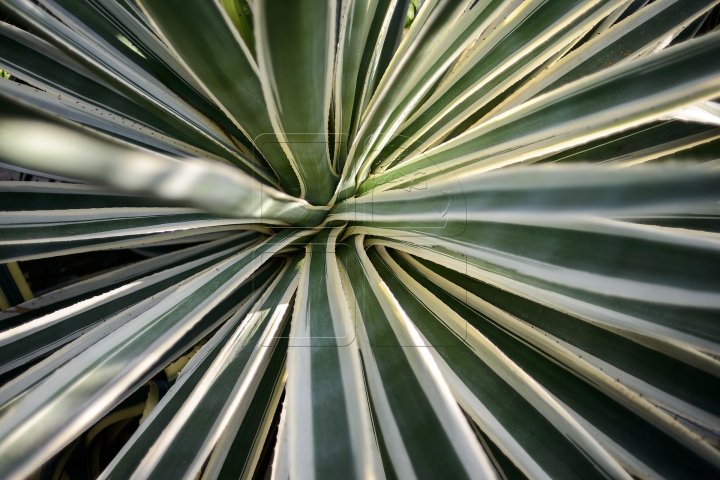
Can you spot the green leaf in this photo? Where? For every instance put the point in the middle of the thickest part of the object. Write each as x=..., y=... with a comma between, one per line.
x=76, y=218
x=17, y=388
x=503, y=55
x=129, y=458
x=614, y=402
x=296, y=46
x=27, y=341
x=119, y=70
x=62, y=86
x=120, y=360
x=639, y=145
x=215, y=187
x=241, y=16
x=423, y=429
x=88, y=288
x=181, y=446
x=74, y=109
x=382, y=31
x=329, y=427
x=615, y=99
x=675, y=387
x=23, y=237
x=544, y=440
x=355, y=33
x=226, y=69
x=240, y=448
x=637, y=34
x=505, y=232
x=47, y=67
x=124, y=26
x=426, y=51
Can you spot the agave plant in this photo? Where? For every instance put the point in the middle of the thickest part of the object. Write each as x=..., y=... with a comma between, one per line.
x=381, y=274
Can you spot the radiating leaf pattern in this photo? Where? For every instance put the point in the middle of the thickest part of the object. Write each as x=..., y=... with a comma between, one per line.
x=404, y=239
